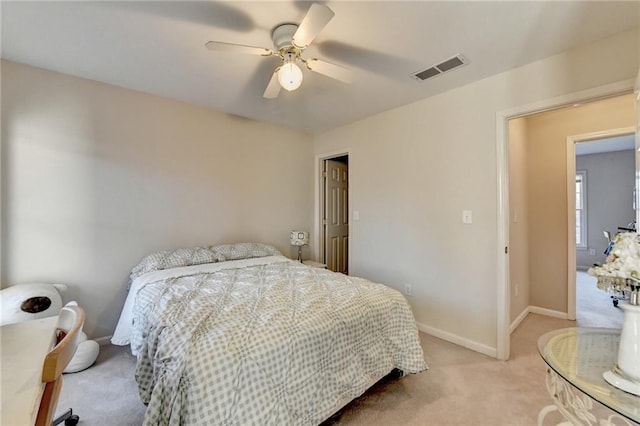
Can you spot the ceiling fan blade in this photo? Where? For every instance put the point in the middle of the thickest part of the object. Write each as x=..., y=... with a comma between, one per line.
x=238, y=48
x=273, y=88
x=314, y=21
x=330, y=70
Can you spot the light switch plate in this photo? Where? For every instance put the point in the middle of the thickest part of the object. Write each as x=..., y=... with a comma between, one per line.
x=467, y=216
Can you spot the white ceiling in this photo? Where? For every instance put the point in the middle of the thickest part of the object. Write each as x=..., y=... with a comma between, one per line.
x=158, y=48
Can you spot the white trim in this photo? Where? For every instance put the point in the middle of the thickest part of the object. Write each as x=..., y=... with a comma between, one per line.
x=584, y=238
x=516, y=322
x=458, y=340
x=503, y=339
x=102, y=341
x=637, y=182
x=547, y=312
x=571, y=207
x=502, y=118
x=571, y=229
x=536, y=310
x=317, y=218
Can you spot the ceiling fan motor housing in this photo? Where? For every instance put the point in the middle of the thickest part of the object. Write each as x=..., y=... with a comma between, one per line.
x=282, y=36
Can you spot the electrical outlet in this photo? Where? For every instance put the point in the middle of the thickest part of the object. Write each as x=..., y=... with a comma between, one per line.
x=516, y=289
x=592, y=252
x=408, y=290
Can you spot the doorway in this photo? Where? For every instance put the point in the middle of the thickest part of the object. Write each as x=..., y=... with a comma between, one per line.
x=601, y=169
x=334, y=213
x=505, y=322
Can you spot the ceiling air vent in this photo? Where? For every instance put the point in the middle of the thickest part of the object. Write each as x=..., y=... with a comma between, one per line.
x=443, y=66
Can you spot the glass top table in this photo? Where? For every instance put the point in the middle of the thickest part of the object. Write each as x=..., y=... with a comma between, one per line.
x=580, y=356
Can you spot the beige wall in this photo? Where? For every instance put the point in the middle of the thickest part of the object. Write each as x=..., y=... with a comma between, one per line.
x=95, y=177
x=547, y=175
x=100, y=176
x=415, y=168
x=519, y=218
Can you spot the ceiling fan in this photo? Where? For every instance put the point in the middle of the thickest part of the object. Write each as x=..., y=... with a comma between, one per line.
x=290, y=41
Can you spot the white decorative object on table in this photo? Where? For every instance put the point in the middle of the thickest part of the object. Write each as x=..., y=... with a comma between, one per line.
x=299, y=239
x=621, y=272
x=30, y=301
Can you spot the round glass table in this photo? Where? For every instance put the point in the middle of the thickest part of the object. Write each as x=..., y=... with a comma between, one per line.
x=577, y=357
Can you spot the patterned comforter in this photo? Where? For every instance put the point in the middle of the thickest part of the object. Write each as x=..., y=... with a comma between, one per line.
x=265, y=341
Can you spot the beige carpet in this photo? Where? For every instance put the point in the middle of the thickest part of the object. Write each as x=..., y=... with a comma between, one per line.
x=462, y=387
x=594, y=307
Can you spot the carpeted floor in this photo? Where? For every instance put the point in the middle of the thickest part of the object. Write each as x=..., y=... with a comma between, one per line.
x=594, y=307
x=462, y=387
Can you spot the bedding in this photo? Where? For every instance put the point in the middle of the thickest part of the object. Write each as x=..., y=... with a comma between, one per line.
x=167, y=259
x=261, y=340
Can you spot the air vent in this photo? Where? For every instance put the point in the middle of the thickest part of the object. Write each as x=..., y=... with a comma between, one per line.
x=442, y=67
x=429, y=72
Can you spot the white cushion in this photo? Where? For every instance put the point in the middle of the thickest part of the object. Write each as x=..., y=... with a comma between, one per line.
x=85, y=356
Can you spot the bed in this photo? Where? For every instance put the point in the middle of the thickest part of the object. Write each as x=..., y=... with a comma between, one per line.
x=238, y=334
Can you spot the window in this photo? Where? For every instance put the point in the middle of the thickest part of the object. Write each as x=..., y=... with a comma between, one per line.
x=581, y=209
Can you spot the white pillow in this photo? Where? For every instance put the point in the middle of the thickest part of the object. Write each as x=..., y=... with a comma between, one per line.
x=85, y=356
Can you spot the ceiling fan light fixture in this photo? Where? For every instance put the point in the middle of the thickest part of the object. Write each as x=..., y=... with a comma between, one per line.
x=289, y=43
x=290, y=76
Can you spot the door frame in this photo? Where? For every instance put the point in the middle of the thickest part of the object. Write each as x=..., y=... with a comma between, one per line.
x=503, y=292
x=318, y=232
x=571, y=205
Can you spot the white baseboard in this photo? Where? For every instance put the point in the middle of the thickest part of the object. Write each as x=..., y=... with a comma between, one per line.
x=536, y=310
x=548, y=312
x=106, y=340
x=458, y=340
x=516, y=322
